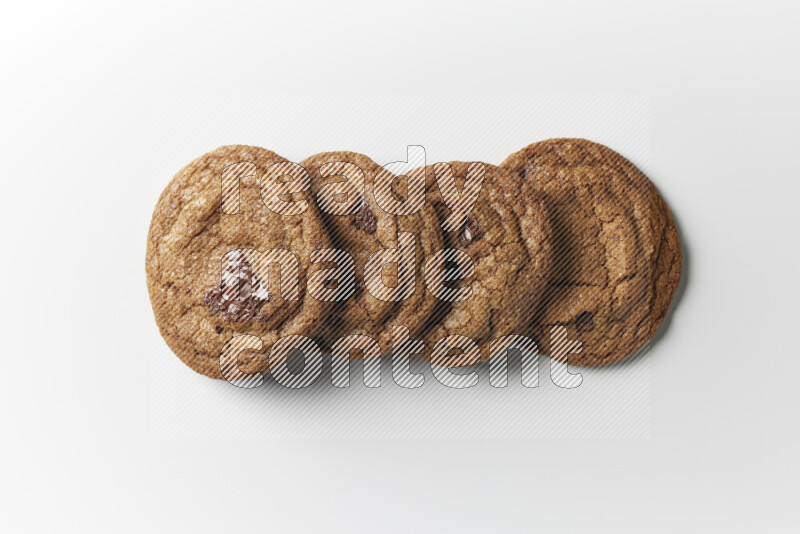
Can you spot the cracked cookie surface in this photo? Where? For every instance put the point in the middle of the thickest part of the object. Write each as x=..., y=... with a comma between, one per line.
x=617, y=256
x=358, y=225
x=509, y=243
x=202, y=289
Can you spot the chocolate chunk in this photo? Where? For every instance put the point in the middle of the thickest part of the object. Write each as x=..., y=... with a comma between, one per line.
x=585, y=322
x=219, y=329
x=213, y=300
x=239, y=294
x=470, y=232
x=451, y=267
x=365, y=220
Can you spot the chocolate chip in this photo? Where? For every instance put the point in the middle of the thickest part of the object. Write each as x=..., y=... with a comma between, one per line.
x=452, y=269
x=213, y=300
x=219, y=329
x=358, y=288
x=585, y=322
x=330, y=283
x=239, y=294
x=470, y=232
x=365, y=220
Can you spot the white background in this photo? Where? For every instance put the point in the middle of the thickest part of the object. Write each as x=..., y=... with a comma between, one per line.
x=87, y=444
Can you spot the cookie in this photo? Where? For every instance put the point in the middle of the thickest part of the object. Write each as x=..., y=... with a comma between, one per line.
x=205, y=273
x=617, y=260
x=509, y=245
x=344, y=185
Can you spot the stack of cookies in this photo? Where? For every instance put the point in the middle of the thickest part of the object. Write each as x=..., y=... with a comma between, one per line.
x=565, y=244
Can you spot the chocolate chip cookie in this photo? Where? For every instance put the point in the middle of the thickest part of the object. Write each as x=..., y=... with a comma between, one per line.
x=617, y=257
x=344, y=185
x=508, y=244
x=228, y=253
